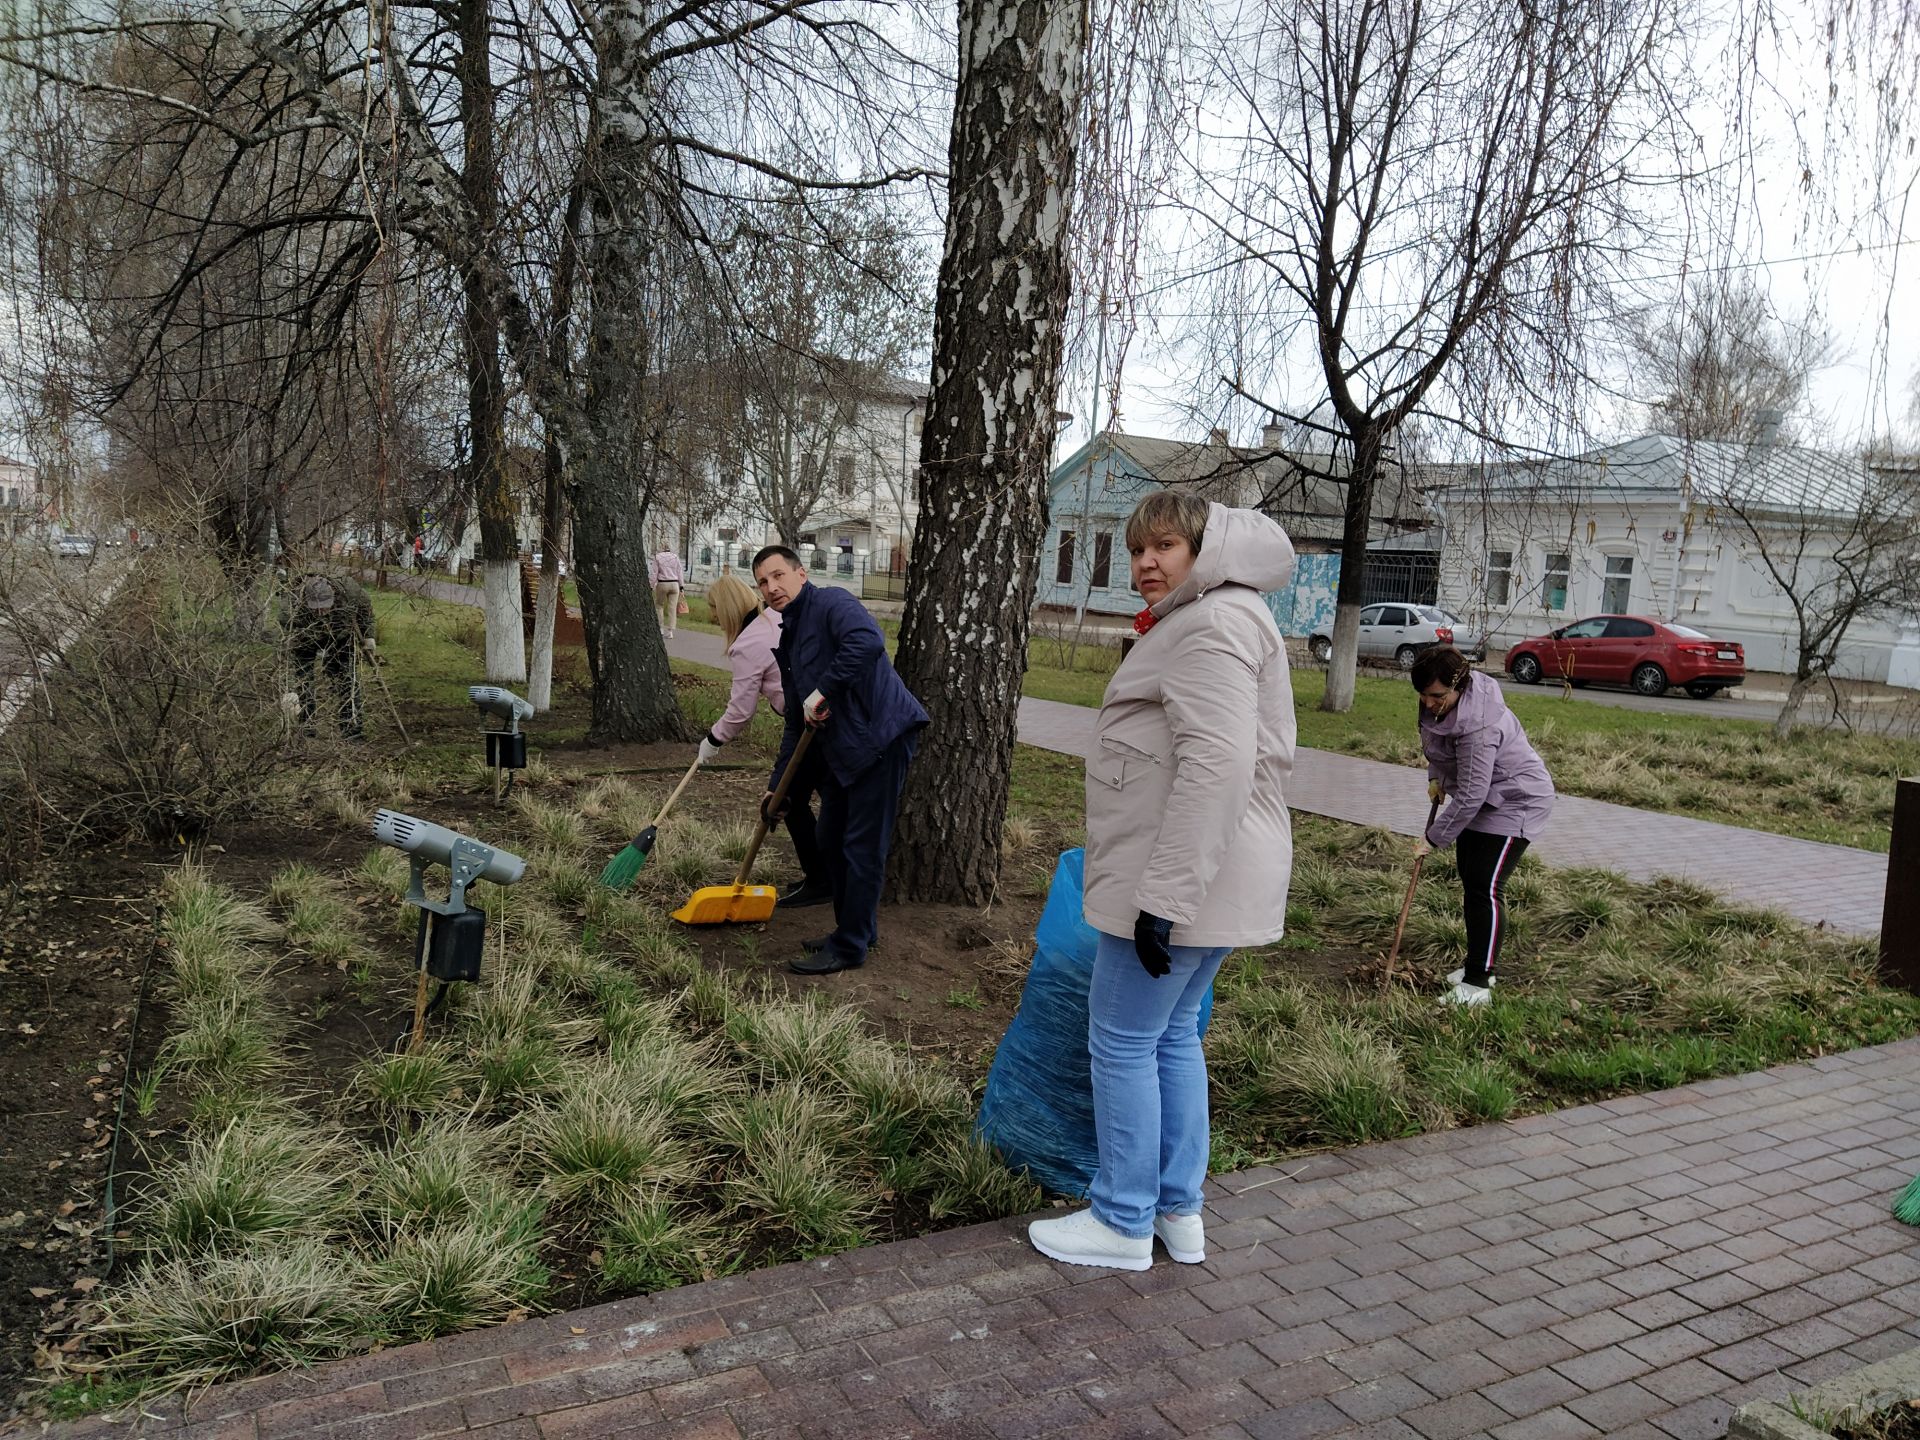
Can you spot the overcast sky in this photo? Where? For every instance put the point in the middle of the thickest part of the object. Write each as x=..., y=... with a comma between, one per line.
x=1820, y=218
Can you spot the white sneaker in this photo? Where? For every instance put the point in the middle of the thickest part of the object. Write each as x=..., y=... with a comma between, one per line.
x=1083, y=1239
x=1454, y=977
x=1184, y=1236
x=1465, y=994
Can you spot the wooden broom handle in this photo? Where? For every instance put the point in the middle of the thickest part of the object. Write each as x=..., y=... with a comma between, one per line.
x=676, y=792
x=779, y=794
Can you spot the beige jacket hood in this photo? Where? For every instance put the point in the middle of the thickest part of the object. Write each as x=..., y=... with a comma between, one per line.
x=1187, y=777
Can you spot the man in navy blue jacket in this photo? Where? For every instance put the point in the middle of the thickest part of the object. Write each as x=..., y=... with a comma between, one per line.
x=834, y=669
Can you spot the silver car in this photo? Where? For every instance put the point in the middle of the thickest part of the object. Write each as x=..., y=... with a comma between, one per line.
x=1399, y=632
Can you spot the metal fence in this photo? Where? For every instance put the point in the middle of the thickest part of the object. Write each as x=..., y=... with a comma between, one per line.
x=1410, y=576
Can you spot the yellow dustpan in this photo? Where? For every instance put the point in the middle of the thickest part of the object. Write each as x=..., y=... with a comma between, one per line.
x=740, y=902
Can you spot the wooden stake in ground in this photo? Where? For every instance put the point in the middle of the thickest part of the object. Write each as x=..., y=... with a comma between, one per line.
x=1407, y=904
x=373, y=664
x=414, y=1036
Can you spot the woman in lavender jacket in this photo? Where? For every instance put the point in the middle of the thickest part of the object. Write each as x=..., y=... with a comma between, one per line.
x=751, y=634
x=1499, y=797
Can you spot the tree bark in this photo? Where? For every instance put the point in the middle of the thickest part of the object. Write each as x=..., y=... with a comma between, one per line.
x=1803, y=682
x=547, y=603
x=988, y=443
x=633, y=695
x=1350, y=595
x=486, y=387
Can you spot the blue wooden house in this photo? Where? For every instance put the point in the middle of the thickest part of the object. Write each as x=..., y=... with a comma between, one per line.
x=1084, y=560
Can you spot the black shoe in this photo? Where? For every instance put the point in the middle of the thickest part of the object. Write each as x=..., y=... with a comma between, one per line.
x=824, y=962
x=808, y=893
x=819, y=942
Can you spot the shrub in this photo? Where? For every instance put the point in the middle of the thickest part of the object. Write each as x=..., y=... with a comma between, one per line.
x=255, y=1180
x=194, y=1320
x=457, y=1276
x=163, y=715
x=651, y=1244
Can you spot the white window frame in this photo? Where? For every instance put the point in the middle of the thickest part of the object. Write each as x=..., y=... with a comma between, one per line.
x=1548, y=570
x=1609, y=577
x=1500, y=590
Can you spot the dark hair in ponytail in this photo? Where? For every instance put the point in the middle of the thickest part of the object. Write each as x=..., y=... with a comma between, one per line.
x=1442, y=663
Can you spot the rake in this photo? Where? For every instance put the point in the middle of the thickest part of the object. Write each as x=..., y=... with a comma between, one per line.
x=1406, y=905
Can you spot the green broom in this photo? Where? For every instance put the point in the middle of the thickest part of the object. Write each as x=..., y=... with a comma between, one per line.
x=1906, y=1205
x=622, y=869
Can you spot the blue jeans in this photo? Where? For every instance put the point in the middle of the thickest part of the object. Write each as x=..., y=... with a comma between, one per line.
x=1149, y=1084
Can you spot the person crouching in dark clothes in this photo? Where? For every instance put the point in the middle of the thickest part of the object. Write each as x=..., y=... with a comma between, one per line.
x=329, y=623
x=837, y=678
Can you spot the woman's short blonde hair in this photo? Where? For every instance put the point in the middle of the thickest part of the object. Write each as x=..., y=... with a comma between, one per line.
x=733, y=604
x=1167, y=512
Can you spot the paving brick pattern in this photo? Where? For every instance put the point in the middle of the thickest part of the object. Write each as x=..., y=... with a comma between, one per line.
x=1635, y=1268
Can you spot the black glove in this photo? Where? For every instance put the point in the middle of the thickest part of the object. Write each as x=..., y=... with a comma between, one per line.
x=768, y=813
x=1151, y=935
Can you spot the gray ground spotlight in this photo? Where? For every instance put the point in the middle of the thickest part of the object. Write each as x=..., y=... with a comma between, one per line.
x=452, y=934
x=506, y=748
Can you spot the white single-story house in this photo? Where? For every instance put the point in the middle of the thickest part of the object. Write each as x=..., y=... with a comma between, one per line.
x=1084, y=560
x=1653, y=526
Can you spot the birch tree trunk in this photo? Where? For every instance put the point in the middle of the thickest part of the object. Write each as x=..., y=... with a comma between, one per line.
x=988, y=444
x=633, y=696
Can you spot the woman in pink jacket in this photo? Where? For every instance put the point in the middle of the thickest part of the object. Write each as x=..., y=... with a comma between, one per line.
x=1499, y=797
x=751, y=634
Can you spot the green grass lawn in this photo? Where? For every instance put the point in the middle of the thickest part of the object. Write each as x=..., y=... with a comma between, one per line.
x=1608, y=986
x=1828, y=785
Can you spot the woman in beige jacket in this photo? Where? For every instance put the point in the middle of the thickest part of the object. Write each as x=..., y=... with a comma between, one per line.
x=1189, y=849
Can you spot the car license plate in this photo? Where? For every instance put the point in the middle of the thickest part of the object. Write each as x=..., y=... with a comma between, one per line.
x=1726, y=654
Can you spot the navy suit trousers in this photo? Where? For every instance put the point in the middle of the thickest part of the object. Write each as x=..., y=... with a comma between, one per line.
x=855, y=831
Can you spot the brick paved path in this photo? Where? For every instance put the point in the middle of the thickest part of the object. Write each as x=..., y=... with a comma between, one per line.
x=1829, y=885
x=1634, y=1269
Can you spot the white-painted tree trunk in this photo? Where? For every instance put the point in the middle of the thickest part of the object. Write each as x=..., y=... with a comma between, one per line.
x=546, y=606
x=506, y=641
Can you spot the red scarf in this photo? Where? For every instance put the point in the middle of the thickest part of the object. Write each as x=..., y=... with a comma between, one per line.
x=1144, y=621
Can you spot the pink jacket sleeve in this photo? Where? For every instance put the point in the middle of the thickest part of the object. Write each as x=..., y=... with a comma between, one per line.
x=755, y=673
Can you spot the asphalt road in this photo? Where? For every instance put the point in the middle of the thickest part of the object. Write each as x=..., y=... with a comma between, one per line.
x=1893, y=717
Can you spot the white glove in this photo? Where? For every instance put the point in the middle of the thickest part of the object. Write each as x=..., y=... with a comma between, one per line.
x=708, y=749
x=370, y=646
x=814, y=708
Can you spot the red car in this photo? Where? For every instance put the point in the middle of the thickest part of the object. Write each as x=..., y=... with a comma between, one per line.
x=1649, y=655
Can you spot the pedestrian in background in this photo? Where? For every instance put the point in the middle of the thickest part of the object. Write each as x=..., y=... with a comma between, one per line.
x=1189, y=851
x=667, y=576
x=1498, y=798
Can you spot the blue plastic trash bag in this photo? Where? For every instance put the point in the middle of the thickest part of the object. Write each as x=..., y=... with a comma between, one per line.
x=1038, y=1107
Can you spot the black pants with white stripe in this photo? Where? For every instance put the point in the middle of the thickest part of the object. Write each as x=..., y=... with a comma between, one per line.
x=1485, y=862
